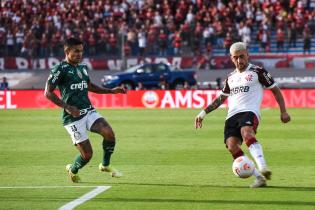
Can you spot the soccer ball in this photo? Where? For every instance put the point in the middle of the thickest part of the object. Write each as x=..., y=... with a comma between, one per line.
x=243, y=167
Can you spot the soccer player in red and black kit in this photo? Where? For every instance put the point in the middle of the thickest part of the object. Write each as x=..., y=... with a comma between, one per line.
x=244, y=90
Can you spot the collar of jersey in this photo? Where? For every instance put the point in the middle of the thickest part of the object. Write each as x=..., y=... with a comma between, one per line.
x=248, y=67
x=65, y=61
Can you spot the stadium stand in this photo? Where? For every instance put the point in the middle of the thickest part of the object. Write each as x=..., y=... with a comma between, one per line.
x=36, y=28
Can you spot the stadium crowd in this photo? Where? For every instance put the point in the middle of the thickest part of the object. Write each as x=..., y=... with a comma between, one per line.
x=37, y=28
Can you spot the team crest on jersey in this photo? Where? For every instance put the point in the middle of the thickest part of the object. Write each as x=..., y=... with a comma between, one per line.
x=77, y=135
x=249, y=77
x=79, y=74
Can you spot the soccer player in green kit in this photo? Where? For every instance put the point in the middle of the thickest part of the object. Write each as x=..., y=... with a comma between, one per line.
x=79, y=116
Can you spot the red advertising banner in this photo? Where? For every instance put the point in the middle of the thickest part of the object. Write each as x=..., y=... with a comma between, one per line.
x=217, y=62
x=17, y=99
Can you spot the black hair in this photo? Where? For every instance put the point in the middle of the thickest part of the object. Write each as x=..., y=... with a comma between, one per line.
x=72, y=42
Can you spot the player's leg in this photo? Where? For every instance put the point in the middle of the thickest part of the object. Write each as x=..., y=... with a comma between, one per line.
x=102, y=127
x=77, y=131
x=255, y=150
x=233, y=144
x=84, y=157
x=249, y=124
x=233, y=141
x=81, y=160
x=232, y=137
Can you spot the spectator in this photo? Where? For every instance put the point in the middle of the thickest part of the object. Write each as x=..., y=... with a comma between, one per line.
x=19, y=36
x=4, y=85
x=205, y=61
x=218, y=80
x=292, y=35
x=186, y=86
x=280, y=40
x=10, y=44
x=264, y=40
x=307, y=40
x=2, y=41
x=139, y=86
x=132, y=41
x=26, y=25
x=228, y=41
x=177, y=43
x=142, y=42
x=245, y=33
x=162, y=40
x=163, y=83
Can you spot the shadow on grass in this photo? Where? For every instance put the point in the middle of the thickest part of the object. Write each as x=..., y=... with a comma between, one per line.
x=233, y=202
x=289, y=188
x=44, y=199
x=292, y=188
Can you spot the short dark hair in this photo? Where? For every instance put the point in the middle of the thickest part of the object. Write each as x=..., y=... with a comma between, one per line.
x=72, y=42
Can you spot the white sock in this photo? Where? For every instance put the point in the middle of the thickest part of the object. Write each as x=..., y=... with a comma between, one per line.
x=256, y=151
x=256, y=173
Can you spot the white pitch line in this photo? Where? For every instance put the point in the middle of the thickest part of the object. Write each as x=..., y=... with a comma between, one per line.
x=46, y=187
x=84, y=198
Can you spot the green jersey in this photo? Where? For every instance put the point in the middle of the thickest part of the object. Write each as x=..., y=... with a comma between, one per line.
x=72, y=81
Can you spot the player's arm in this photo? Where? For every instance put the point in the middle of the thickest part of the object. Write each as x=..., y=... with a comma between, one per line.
x=54, y=78
x=96, y=89
x=213, y=106
x=285, y=117
x=267, y=81
x=216, y=103
x=49, y=93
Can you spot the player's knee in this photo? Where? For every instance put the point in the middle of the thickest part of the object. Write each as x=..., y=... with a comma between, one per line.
x=232, y=148
x=108, y=134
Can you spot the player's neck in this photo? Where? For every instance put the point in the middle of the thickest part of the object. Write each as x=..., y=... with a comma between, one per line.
x=71, y=62
x=242, y=70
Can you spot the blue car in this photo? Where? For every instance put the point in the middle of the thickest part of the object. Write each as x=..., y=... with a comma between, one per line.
x=151, y=76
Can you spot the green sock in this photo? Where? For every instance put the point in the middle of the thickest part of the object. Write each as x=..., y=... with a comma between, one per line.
x=108, y=148
x=78, y=163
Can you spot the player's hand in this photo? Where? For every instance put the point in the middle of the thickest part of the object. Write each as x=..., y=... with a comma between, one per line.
x=199, y=118
x=198, y=122
x=119, y=90
x=285, y=117
x=73, y=111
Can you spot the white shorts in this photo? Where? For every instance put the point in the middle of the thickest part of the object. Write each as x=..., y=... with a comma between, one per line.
x=78, y=129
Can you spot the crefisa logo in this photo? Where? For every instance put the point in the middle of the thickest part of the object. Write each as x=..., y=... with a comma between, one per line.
x=150, y=99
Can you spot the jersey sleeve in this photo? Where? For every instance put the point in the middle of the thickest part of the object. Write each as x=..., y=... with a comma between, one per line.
x=226, y=88
x=86, y=72
x=265, y=78
x=56, y=75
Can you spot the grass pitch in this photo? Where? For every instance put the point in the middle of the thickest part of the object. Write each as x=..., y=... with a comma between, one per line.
x=167, y=164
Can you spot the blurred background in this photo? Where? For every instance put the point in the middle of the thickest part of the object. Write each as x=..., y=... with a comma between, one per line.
x=192, y=35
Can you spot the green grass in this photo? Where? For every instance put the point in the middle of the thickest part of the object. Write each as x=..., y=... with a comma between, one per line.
x=167, y=164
